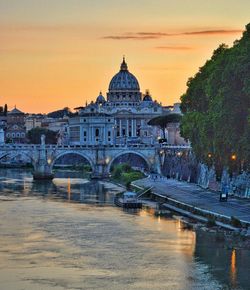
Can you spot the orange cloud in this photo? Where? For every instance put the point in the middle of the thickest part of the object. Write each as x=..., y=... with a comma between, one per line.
x=122, y=37
x=156, y=35
x=212, y=32
x=174, y=48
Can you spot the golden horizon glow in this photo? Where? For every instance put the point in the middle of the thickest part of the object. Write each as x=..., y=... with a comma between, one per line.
x=57, y=54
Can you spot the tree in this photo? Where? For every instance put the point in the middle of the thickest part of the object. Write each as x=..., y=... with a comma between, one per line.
x=60, y=113
x=34, y=136
x=5, y=111
x=163, y=121
x=216, y=107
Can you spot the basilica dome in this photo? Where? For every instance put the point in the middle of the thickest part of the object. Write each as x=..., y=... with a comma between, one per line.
x=124, y=80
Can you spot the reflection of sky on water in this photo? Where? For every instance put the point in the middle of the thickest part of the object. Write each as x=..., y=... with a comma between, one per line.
x=74, y=189
x=53, y=236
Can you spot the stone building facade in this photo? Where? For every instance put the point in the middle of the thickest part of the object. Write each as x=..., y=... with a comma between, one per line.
x=127, y=107
x=15, y=130
x=92, y=128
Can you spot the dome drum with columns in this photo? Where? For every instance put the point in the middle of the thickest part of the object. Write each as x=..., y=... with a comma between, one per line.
x=124, y=87
x=129, y=112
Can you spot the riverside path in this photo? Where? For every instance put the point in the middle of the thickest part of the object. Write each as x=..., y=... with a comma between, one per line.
x=193, y=195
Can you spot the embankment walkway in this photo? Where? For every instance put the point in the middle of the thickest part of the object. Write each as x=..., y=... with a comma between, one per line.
x=195, y=196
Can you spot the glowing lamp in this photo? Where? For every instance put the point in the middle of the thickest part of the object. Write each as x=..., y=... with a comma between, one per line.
x=233, y=157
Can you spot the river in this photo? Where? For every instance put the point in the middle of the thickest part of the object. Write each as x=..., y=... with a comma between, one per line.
x=66, y=234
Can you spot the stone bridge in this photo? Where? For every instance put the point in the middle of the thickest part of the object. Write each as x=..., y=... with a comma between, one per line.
x=100, y=157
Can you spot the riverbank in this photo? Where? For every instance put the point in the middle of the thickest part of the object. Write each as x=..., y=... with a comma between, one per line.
x=201, y=208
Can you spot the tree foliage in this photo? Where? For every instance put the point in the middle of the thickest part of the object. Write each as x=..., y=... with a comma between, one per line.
x=3, y=110
x=163, y=121
x=216, y=107
x=60, y=113
x=34, y=136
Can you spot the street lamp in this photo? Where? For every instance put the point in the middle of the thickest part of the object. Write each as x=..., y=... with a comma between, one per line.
x=233, y=157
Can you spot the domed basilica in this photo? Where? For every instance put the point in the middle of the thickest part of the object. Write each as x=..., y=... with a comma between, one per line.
x=120, y=118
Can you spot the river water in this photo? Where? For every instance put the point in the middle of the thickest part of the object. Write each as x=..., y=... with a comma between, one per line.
x=66, y=234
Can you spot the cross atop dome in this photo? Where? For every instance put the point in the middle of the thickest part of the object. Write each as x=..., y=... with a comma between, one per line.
x=124, y=65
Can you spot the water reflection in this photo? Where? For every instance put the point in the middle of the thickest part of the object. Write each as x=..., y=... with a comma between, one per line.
x=233, y=268
x=72, y=189
x=65, y=234
x=69, y=189
x=229, y=266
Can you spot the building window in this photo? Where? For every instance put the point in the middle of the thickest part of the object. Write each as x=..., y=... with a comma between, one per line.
x=109, y=133
x=123, y=132
x=97, y=132
x=84, y=133
x=13, y=135
x=74, y=133
x=18, y=135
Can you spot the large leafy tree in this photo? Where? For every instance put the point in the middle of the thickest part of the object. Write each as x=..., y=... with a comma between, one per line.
x=163, y=121
x=216, y=107
x=34, y=136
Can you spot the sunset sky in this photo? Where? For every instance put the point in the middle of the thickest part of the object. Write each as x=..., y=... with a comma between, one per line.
x=58, y=53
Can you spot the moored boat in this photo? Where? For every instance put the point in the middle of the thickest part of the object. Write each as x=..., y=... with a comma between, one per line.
x=128, y=200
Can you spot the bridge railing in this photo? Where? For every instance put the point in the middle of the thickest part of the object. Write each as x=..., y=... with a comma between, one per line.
x=75, y=147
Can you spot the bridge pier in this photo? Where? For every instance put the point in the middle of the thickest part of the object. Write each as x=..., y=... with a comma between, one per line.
x=100, y=171
x=42, y=163
x=43, y=172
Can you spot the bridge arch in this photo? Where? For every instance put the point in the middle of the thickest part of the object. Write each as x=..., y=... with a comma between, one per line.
x=14, y=154
x=127, y=152
x=72, y=152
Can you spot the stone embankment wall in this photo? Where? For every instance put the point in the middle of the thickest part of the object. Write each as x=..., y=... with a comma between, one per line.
x=187, y=168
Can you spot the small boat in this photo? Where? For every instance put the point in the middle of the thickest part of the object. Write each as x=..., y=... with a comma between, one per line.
x=128, y=200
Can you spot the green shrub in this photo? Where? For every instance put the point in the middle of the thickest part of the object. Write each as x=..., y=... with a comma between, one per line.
x=126, y=167
x=125, y=174
x=131, y=176
x=235, y=222
x=211, y=222
x=87, y=168
x=117, y=172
